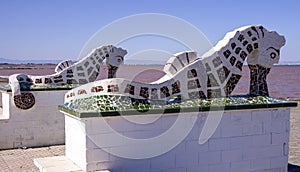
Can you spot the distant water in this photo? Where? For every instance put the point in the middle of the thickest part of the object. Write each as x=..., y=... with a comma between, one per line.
x=283, y=80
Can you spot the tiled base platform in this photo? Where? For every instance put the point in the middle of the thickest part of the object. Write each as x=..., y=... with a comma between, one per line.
x=247, y=140
x=40, y=125
x=237, y=137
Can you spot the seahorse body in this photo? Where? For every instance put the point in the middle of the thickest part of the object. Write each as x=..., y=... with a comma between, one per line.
x=84, y=71
x=215, y=74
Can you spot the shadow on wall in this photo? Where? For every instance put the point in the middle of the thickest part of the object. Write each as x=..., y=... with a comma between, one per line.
x=293, y=168
x=2, y=83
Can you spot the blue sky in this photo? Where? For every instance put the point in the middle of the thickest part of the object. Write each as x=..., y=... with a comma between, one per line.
x=58, y=29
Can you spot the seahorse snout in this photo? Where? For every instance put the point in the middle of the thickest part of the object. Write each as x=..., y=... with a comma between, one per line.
x=122, y=51
x=282, y=40
x=279, y=39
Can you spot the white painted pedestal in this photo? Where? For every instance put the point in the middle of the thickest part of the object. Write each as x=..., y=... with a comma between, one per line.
x=245, y=140
x=40, y=125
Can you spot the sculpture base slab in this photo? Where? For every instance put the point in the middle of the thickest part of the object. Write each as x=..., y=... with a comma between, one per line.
x=249, y=140
x=41, y=125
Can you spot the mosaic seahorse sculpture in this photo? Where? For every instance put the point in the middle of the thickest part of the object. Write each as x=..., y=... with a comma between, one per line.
x=215, y=74
x=84, y=71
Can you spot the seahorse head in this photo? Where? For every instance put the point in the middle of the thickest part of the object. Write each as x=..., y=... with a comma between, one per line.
x=115, y=56
x=268, y=51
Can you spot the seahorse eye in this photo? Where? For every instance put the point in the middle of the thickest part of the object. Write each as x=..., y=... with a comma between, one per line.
x=273, y=55
x=107, y=55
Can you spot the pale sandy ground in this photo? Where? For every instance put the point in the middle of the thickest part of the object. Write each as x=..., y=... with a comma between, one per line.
x=21, y=160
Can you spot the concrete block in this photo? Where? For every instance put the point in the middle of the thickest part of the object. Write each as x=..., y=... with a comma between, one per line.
x=279, y=126
x=232, y=155
x=226, y=119
x=279, y=162
x=217, y=133
x=4, y=143
x=224, y=167
x=179, y=149
x=287, y=126
x=111, y=166
x=194, y=146
x=279, y=139
x=211, y=157
x=90, y=144
x=6, y=129
x=143, y=134
x=261, y=140
x=232, y=130
x=266, y=125
x=280, y=114
x=201, y=122
x=263, y=152
x=167, y=121
x=175, y=170
x=96, y=155
x=253, y=129
x=261, y=115
x=194, y=134
x=165, y=161
x=240, y=166
x=136, y=165
x=260, y=164
x=96, y=126
x=198, y=168
x=120, y=124
x=219, y=144
x=241, y=118
x=187, y=159
x=107, y=140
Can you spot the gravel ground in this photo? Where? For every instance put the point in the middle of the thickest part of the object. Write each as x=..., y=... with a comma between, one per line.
x=21, y=160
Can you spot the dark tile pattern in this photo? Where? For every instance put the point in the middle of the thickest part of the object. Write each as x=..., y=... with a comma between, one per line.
x=164, y=92
x=214, y=93
x=176, y=87
x=233, y=80
x=112, y=88
x=144, y=92
x=97, y=89
x=129, y=89
x=24, y=101
x=217, y=61
x=223, y=73
x=196, y=95
x=211, y=81
x=192, y=73
x=193, y=84
x=112, y=71
x=154, y=94
x=258, y=80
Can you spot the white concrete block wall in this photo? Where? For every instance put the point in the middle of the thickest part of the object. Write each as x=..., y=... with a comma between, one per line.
x=76, y=141
x=41, y=125
x=246, y=140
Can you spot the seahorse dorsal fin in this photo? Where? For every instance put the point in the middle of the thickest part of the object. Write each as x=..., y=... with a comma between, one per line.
x=63, y=65
x=179, y=61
